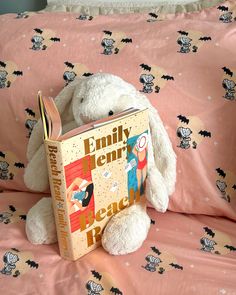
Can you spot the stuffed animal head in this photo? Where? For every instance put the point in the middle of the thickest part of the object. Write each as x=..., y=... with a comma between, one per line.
x=96, y=97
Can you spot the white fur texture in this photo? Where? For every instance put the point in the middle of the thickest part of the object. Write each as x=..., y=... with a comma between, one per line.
x=89, y=99
x=126, y=231
x=40, y=223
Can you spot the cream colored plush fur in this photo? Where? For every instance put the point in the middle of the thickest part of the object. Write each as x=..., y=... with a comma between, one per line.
x=89, y=99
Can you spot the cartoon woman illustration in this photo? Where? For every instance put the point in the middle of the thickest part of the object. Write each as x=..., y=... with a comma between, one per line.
x=140, y=151
x=79, y=194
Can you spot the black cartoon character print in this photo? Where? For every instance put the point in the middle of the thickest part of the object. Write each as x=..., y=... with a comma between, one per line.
x=9, y=260
x=38, y=43
x=152, y=263
x=5, y=217
x=225, y=184
x=42, y=38
x=107, y=43
x=184, y=135
x=74, y=70
x=110, y=39
x=190, y=41
x=94, y=288
x=188, y=132
x=30, y=122
x=153, y=17
x=22, y=15
x=160, y=262
x=226, y=16
x=146, y=80
x=12, y=215
x=207, y=244
x=4, y=170
x=185, y=44
x=3, y=79
x=216, y=242
x=85, y=17
x=8, y=73
x=17, y=262
x=153, y=78
x=229, y=84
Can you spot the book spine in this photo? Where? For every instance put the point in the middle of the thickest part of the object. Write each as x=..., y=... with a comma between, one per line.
x=58, y=192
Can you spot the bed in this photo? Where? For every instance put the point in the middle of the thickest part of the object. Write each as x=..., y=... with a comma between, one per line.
x=188, y=69
x=186, y=267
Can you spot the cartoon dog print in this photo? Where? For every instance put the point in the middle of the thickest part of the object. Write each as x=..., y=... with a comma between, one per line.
x=160, y=261
x=74, y=70
x=101, y=283
x=216, y=242
x=9, y=260
x=226, y=16
x=191, y=41
x=43, y=39
x=152, y=263
x=8, y=73
x=146, y=80
x=12, y=215
x=153, y=78
x=229, y=83
x=9, y=165
x=16, y=262
x=93, y=288
x=226, y=184
x=30, y=121
x=190, y=131
x=114, y=42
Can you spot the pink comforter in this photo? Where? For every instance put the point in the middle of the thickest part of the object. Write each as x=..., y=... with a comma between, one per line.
x=183, y=254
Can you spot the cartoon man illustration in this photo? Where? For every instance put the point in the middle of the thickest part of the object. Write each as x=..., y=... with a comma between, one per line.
x=147, y=81
x=107, y=43
x=94, y=288
x=185, y=44
x=184, y=135
x=226, y=17
x=229, y=86
x=152, y=263
x=207, y=244
x=79, y=194
x=9, y=260
x=38, y=43
x=69, y=76
x=3, y=79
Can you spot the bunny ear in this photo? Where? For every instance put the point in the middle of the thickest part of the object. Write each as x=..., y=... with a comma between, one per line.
x=164, y=155
x=63, y=101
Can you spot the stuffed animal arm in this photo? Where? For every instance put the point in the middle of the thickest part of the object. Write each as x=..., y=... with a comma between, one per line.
x=82, y=101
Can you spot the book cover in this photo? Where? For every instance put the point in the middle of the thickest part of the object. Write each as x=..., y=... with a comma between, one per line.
x=94, y=175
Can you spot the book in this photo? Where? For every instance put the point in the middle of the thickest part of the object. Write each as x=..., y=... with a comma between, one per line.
x=95, y=171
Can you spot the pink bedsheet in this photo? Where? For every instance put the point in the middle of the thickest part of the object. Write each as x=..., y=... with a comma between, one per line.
x=173, y=260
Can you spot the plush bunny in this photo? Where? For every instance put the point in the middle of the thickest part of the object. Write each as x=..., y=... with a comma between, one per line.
x=83, y=101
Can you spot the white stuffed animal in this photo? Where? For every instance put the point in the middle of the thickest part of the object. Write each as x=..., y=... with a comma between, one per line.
x=83, y=101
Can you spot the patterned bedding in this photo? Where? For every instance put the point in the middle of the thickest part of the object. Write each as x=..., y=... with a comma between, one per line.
x=183, y=254
x=186, y=66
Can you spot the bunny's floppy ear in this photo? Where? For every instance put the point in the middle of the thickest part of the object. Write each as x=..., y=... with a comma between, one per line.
x=63, y=103
x=164, y=155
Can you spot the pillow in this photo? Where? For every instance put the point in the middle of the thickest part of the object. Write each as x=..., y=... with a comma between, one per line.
x=189, y=65
x=94, y=7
